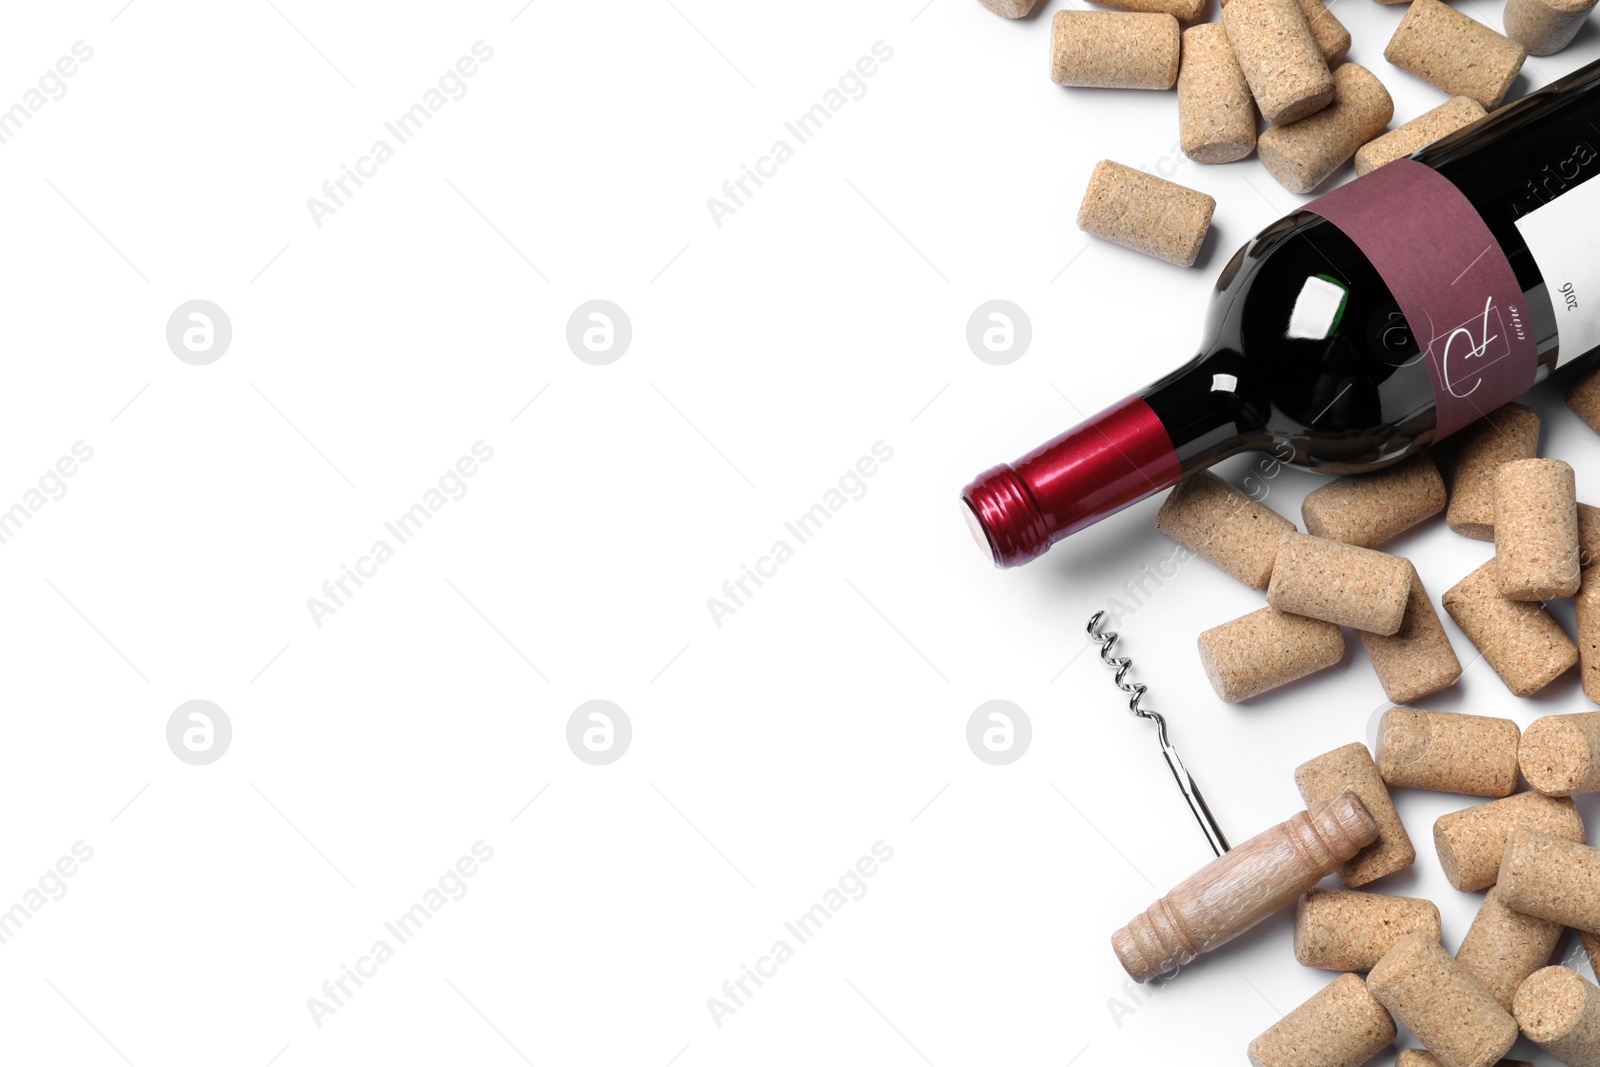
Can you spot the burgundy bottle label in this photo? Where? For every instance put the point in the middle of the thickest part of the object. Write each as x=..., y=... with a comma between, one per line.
x=1451, y=279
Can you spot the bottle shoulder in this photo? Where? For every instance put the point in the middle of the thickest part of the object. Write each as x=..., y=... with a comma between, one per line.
x=1307, y=353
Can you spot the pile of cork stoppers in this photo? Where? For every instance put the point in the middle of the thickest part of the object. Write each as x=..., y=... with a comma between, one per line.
x=1284, y=60
x=1528, y=850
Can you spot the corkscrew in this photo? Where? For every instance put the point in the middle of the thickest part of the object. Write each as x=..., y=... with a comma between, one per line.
x=1190, y=789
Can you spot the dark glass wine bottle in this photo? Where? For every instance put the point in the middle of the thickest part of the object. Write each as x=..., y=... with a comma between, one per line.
x=1357, y=331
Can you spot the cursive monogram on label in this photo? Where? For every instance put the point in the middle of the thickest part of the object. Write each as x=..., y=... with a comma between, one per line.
x=1460, y=344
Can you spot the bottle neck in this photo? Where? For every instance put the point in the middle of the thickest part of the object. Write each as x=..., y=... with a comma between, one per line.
x=1099, y=467
x=1205, y=417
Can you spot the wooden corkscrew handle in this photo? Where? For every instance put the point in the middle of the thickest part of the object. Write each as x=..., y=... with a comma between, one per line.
x=1237, y=890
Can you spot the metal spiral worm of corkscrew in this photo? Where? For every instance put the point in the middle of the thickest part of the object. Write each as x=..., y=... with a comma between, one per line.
x=1107, y=640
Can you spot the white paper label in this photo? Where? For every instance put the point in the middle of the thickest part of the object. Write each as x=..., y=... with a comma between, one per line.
x=1564, y=237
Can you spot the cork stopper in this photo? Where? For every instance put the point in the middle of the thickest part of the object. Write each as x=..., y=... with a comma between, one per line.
x=1416, y=659
x=1265, y=649
x=1525, y=646
x=1216, y=117
x=1224, y=527
x=1114, y=50
x=1182, y=10
x=1471, y=842
x=1584, y=398
x=1285, y=69
x=1368, y=509
x=1440, y=1002
x=1343, y=930
x=1473, y=755
x=1333, y=40
x=1586, y=608
x=1559, y=1010
x=1545, y=27
x=1503, y=947
x=1508, y=433
x=1552, y=879
x=1342, y=1022
x=1561, y=754
x=1536, y=529
x=1452, y=52
x=1416, y=1057
x=1419, y=133
x=1145, y=213
x=1588, y=535
x=1340, y=583
x=1011, y=9
x=1302, y=156
x=1351, y=769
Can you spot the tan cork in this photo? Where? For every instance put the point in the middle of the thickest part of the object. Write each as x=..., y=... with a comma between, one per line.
x=1242, y=886
x=1473, y=755
x=1552, y=878
x=1416, y=1057
x=1536, y=529
x=1591, y=948
x=1503, y=946
x=1266, y=649
x=1586, y=606
x=1342, y=930
x=1340, y=1026
x=1285, y=69
x=1450, y=51
x=1545, y=27
x=1559, y=1010
x=1182, y=10
x=1302, y=156
x=1472, y=841
x=1335, y=582
x=1114, y=50
x=1521, y=641
x=1419, y=133
x=1333, y=40
x=1584, y=398
x=1508, y=433
x=1351, y=768
x=1416, y=659
x=1561, y=754
x=1448, y=1009
x=1011, y=9
x=1216, y=117
x=1221, y=525
x=1369, y=509
x=1588, y=535
x=1145, y=213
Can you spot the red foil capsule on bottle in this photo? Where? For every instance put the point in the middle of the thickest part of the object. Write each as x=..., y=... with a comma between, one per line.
x=1115, y=459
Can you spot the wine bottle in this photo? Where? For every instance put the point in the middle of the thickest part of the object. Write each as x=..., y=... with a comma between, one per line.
x=1357, y=331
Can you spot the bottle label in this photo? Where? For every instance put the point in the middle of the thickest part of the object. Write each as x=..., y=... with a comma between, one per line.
x=1561, y=237
x=1451, y=279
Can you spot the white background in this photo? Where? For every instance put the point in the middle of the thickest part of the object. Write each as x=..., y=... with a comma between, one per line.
x=768, y=753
